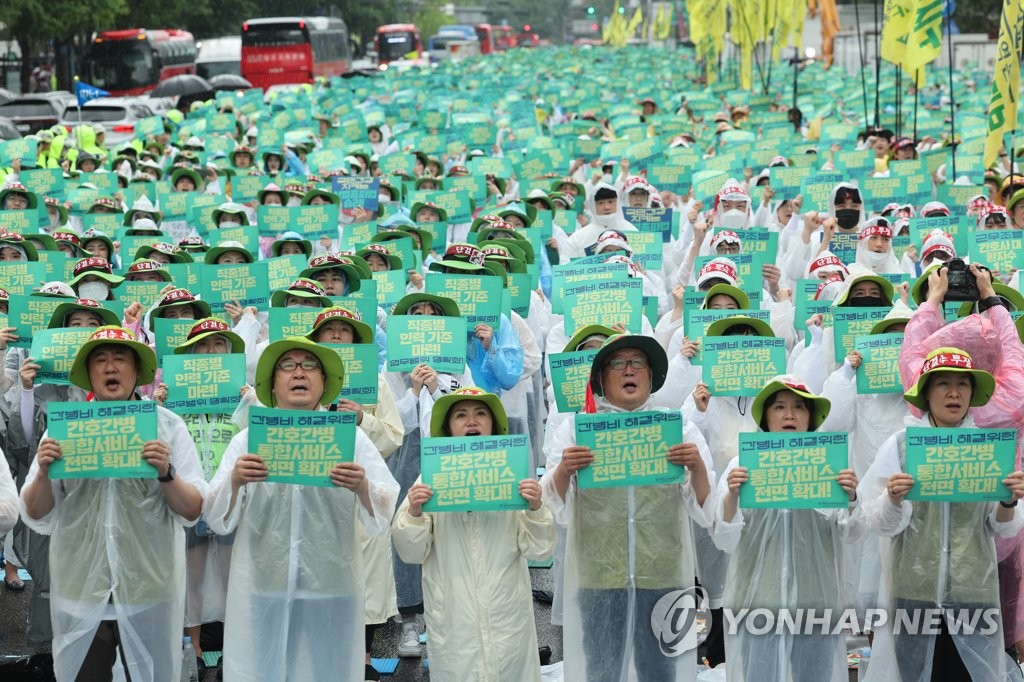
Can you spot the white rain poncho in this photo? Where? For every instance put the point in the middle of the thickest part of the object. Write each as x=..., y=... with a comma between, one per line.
x=477, y=597
x=626, y=549
x=295, y=606
x=784, y=559
x=8, y=499
x=934, y=554
x=118, y=552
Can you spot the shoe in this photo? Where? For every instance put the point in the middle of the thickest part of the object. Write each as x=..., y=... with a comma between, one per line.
x=371, y=674
x=16, y=585
x=409, y=645
x=544, y=596
x=545, y=654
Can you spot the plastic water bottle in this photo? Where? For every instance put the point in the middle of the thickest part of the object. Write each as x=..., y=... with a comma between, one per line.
x=189, y=669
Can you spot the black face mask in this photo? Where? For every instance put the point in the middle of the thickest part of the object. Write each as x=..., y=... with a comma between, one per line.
x=847, y=217
x=865, y=302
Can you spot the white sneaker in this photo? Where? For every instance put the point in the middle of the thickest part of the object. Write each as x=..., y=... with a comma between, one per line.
x=409, y=646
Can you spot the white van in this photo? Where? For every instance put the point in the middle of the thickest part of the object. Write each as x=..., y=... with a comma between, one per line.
x=219, y=55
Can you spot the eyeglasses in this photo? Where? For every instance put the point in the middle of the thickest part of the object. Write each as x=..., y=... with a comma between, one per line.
x=306, y=365
x=635, y=363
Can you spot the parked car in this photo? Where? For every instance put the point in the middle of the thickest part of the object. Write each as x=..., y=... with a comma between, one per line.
x=118, y=115
x=8, y=131
x=31, y=113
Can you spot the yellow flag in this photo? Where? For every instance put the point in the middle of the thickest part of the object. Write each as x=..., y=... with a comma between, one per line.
x=638, y=18
x=1002, y=110
x=899, y=16
x=925, y=39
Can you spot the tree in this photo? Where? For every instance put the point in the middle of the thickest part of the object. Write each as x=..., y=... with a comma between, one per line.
x=978, y=16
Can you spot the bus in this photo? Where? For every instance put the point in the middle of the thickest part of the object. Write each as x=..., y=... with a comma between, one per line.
x=397, y=42
x=132, y=61
x=286, y=50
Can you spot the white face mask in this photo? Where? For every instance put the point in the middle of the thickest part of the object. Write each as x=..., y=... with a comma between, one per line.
x=383, y=198
x=873, y=260
x=607, y=220
x=294, y=201
x=97, y=291
x=606, y=178
x=229, y=223
x=733, y=219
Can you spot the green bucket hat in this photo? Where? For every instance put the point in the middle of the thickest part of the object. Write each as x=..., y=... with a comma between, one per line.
x=951, y=360
x=387, y=234
x=719, y=327
x=45, y=241
x=584, y=333
x=656, y=358
x=886, y=286
x=62, y=210
x=146, y=265
x=92, y=235
x=334, y=369
x=302, y=288
x=18, y=188
x=556, y=186
x=291, y=238
x=438, y=182
x=497, y=252
x=917, y=289
x=524, y=212
x=206, y=328
x=461, y=256
x=60, y=313
x=1013, y=299
x=96, y=267
x=16, y=241
x=362, y=331
x=230, y=208
x=211, y=256
x=442, y=214
x=394, y=262
x=117, y=336
x=735, y=293
x=313, y=193
x=788, y=382
x=352, y=272
x=444, y=404
x=447, y=306
x=176, y=298
x=900, y=314
x=185, y=171
x=170, y=250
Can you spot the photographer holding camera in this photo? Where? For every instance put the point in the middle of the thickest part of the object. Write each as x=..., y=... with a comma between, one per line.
x=991, y=338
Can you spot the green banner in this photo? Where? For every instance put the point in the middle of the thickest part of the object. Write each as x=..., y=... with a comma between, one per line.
x=287, y=322
x=301, y=447
x=31, y=314
x=170, y=334
x=817, y=190
x=475, y=473
x=793, y=470
x=478, y=296
x=22, y=277
x=760, y=242
x=630, y=448
x=284, y=270
x=439, y=342
x=520, y=287
x=360, y=380
x=605, y=303
x=203, y=384
x=580, y=273
x=390, y=287
x=697, y=322
x=569, y=373
x=246, y=283
x=741, y=365
x=146, y=293
x=54, y=351
x=102, y=439
x=748, y=267
x=312, y=222
x=879, y=370
x=960, y=465
x=1000, y=250
x=648, y=249
x=849, y=323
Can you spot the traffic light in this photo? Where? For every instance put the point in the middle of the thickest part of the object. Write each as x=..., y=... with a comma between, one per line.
x=591, y=11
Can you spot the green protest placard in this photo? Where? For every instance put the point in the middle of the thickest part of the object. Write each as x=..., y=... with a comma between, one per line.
x=439, y=342
x=173, y=204
x=102, y=439
x=301, y=447
x=1000, y=250
x=741, y=365
x=671, y=178
x=245, y=188
x=572, y=274
x=520, y=286
x=29, y=315
x=203, y=384
x=569, y=373
x=21, y=277
x=960, y=465
x=475, y=473
x=879, y=370
x=273, y=220
x=849, y=323
x=247, y=283
x=958, y=195
x=314, y=222
x=458, y=204
x=760, y=242
x=630, y=448
x=787, y=180
x=648, y=248
x=47, y=182
x=879, y=191
x=390, y=286
x=707, y=183
x=793, y=470
x=54, y=351
x=107, y=223
x=854, y=161
x=817, y=189
x=24, y=222
x=288, y=322
x=170, y=334
x=360, y=380
x=696, y=322
x=608, y=303
x=284, y=270
x=478, y=296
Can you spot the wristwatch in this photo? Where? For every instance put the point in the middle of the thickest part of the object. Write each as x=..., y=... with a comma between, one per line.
x=170, y=474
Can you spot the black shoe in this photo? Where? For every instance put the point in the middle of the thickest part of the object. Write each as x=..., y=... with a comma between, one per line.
x=220, y=667
x=544, y=596
x=371, y=673
x=200, y=666
x=545, y=654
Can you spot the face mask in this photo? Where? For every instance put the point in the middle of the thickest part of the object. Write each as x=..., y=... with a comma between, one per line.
x=871, y=259
x=733, y=219
x=607, y=220
x=384, y=199
x=97, y=291
x=847, y=218
x=295, y=201
x=229, y=223
x=606, y=178
x=865, y=302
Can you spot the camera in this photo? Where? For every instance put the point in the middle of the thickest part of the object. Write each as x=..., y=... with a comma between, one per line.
x=962, y=285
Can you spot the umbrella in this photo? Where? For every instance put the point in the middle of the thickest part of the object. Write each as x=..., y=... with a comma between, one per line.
x=185, y=84
x=229, y=81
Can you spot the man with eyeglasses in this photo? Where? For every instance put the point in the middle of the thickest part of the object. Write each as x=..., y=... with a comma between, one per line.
x=296, y=589
x=627, y=547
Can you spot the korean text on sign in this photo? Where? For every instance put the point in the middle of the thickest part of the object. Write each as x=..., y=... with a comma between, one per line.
x=299, y=446
x=793, y=470
x=475, y=473
x=960, y=465
x=102, y=439
x=630, y=449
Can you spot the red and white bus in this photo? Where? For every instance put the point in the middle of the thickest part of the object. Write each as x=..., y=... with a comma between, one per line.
x=284, y=50
x=397, y=42
x=132, y=61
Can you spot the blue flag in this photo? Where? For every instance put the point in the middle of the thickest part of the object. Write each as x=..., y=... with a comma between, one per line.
x=86, y=92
